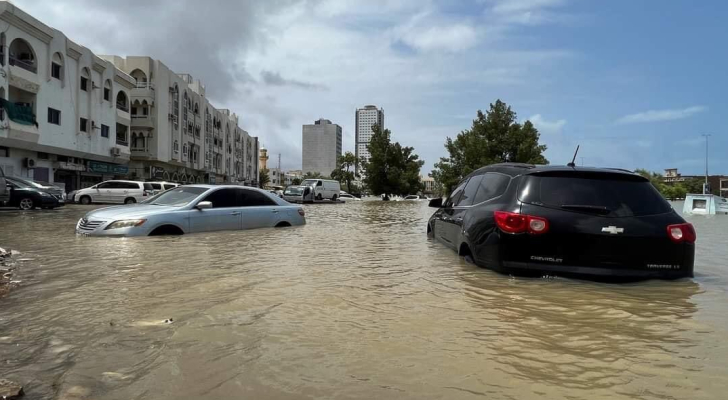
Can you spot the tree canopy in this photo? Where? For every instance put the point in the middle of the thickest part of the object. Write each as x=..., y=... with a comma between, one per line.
x=391, y=168
x=296, y=181
x=674, y=190
x=495, y=137
x=343, y=172
x=264, y=177
x=314, y=175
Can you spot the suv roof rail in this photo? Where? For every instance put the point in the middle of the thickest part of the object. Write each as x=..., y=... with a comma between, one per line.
x=621, y=169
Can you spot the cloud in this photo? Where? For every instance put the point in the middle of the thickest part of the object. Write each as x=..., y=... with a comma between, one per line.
x=661, y=115
x=452, y=38
x=275, y=79
x=544, y=126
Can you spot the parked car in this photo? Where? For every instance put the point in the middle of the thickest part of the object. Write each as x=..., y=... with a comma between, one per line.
x=321, y=189
x=343, y=196
x=414, y=197
x=27, y=197
x=126, y=192
x=159, y=187
x=191, y=209
x=526, y=219
x=4, y=189
x=293, y=194
x=56, y=191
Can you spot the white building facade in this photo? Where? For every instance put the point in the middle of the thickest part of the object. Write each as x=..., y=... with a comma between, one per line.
x=321, y=147
x=366, y=118
x=178, y=135
x=64, y=116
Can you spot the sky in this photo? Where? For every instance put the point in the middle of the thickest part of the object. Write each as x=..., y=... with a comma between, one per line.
x=634, y=83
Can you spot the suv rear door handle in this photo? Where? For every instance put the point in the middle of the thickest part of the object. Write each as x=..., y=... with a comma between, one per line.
x=235, y=213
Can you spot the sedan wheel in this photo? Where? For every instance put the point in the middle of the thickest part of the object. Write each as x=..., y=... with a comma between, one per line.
x=85, y=200
x=26, y=204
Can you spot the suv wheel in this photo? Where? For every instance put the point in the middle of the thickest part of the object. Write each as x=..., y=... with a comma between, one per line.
x=130, y=200
x=319, y=197
x=26, y=203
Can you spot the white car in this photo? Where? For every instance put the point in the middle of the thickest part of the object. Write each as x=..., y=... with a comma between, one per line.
x=414, y=197
x=192, y=209
x=347, y=197
x=123, y=192
x=321, y=189
x=160, y=187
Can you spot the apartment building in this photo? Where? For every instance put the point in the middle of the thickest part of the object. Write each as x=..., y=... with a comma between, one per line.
x=65, y=111
x=366, y=118
x=321, y=147
x=177, y=134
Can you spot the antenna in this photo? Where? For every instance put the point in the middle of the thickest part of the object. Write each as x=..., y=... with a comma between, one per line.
x=573, y=160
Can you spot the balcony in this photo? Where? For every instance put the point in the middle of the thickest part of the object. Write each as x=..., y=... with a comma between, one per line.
x=122, y=107
x=122, y=141
x=23, y=63
x=142, y=121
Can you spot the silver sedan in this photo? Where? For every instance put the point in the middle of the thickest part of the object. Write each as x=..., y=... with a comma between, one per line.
x=194, y=208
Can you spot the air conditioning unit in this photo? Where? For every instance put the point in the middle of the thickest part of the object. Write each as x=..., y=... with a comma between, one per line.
x=115, y=151
x=29, y=163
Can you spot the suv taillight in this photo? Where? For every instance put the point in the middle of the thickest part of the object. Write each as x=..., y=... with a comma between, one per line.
x=682, y=233
x=509, y=222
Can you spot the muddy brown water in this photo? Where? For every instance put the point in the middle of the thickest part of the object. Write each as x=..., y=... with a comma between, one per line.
x=357, y=304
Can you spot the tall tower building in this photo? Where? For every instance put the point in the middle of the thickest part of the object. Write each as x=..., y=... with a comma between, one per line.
x=321, y=147
x=366, y=118
x=263, y=164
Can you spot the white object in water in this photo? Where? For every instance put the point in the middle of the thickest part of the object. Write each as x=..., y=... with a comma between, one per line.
x=705, y=204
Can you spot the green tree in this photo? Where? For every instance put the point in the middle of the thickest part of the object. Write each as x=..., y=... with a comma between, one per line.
x=495, y=137
x=694, y=185
x=314, y=175
x=343, y=172
x=391, y=168
x=296, y=181
x=263, y=178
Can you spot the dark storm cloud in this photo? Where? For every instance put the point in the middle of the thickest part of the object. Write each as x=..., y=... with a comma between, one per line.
x=275, y=79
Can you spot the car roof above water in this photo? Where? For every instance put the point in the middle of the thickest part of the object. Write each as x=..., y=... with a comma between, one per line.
x=516, y=169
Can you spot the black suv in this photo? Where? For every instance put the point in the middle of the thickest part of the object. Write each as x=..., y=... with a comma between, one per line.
x=568, y=221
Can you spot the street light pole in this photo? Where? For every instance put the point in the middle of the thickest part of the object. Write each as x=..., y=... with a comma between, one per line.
x=705, y=188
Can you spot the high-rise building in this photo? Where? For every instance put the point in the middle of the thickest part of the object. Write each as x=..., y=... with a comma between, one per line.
x=321, y=147
x=366, y=118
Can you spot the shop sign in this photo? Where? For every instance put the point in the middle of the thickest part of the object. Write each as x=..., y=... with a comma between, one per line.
x=105, y=168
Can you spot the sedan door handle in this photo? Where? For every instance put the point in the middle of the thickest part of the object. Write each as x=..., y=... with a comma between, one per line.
x=274, y=211
x=234, y=213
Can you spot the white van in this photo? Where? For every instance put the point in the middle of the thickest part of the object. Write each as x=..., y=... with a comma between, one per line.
x=126, y=192
x=323, y=188
x=160, y=187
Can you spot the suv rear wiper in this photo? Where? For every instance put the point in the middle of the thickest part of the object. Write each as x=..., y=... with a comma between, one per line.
x=601, y=210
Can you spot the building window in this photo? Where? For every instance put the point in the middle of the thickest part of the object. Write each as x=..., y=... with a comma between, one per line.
x=104, y=131
x=54, y=116
x=4, y=152
x=84, y=84
x=56, y=70
x=176, y=146
x=107, y=94
x=84, y=125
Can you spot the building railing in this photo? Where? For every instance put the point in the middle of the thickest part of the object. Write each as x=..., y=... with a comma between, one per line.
x=144, y=85
x=2, y=55
x=122, y=107
x=24, y=64
x=122, y=141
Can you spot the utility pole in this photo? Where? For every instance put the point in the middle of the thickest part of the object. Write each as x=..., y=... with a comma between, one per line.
x=705, y=187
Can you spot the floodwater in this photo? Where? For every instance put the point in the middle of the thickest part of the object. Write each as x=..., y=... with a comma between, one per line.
x=357, y=304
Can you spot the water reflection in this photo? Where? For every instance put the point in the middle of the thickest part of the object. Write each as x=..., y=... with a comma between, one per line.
x=356, y=304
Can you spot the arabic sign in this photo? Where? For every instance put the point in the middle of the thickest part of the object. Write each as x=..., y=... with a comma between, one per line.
x=105, y=168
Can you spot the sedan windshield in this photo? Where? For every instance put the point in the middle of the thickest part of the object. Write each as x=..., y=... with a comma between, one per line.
x=176, y=197
x=293, y=191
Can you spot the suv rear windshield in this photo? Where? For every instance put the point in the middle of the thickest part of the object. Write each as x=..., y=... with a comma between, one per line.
x=611, y=195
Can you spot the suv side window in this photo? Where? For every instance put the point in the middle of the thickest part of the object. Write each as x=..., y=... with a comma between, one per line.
x=455, y=196
x=251, y=198
x=222, y=198
x=128, y=185
x=470, y=190
x=491, y=186
x=105, y=185
x=167, y=187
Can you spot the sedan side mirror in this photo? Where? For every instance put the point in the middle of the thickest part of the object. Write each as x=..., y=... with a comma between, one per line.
x=204, y=205
x=436, y=203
